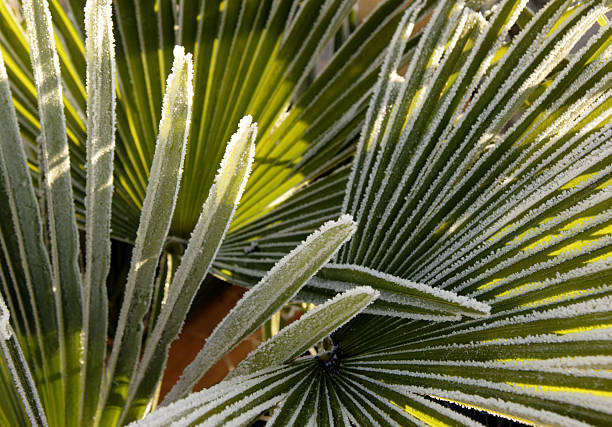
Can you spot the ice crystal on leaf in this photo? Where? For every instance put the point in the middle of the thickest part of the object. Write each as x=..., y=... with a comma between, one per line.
x=470, y=231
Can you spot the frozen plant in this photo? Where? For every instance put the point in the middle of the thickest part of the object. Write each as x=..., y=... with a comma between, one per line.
x=446, y=175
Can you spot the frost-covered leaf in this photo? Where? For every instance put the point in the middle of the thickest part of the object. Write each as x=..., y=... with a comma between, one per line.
x=278, y=287
x=483, y=174
x=100, y=56
x=13, y=359
x=296, y=403
x=488, y=177
x=250, y=57
x=154, y=225
x=236, y=401
x=201, y=250
x=406, y=298
x=311, y=328
x=57, y=186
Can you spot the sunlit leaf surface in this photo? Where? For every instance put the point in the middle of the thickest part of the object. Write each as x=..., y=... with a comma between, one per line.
x=472, y=148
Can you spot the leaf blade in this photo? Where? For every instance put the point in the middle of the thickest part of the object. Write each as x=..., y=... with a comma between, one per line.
x=58, y=188
x=201, y=250
x=280, y=284
x=20, y=372
x=154, y=225
x=437, y=300
x=24, y=250
x=307, y=331
x=100, y=154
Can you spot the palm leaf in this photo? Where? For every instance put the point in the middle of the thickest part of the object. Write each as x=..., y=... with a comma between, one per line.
x=481, y=184
x=27, y=275
x=153, y=229
x=123, y=379
x=483, y=171
x=57, y=186
x=277, y=288
x=207, y=236
x=15, y=362
x=311, y=328
x=237, y=400
x=100, y=155
x=271, y=49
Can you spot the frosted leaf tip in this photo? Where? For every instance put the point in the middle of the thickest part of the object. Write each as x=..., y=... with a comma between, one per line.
x=246, y=121
x=178, y=51
x=180, y=56
x=346, y=219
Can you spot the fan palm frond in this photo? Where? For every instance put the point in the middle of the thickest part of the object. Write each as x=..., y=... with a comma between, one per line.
x=482, y=170
x=53, y=326
x=255, y=58
x=480, y=188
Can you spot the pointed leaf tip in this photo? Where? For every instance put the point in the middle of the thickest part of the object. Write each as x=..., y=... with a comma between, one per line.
x=180, y=55
x=217, y=213
x=277, y=287
x=237, y=160
x=158, y=208
x=401, y=292
x=311, y=328
x=245, y=121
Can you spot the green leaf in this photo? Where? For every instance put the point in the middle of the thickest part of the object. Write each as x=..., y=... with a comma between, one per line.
x=280, y=285
x=405, y=407
x=413, y=300
x=248, y=253
x=271, y=48
x=295, y=403
x=30, y=274
x=201, y=250
x=491, y=180
x=100, y=151
x=19, y=370
x=318, y=132
x=238, y=400
x=64, y=241
x=154, y=225
x=311, y=328
x=481, y=186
